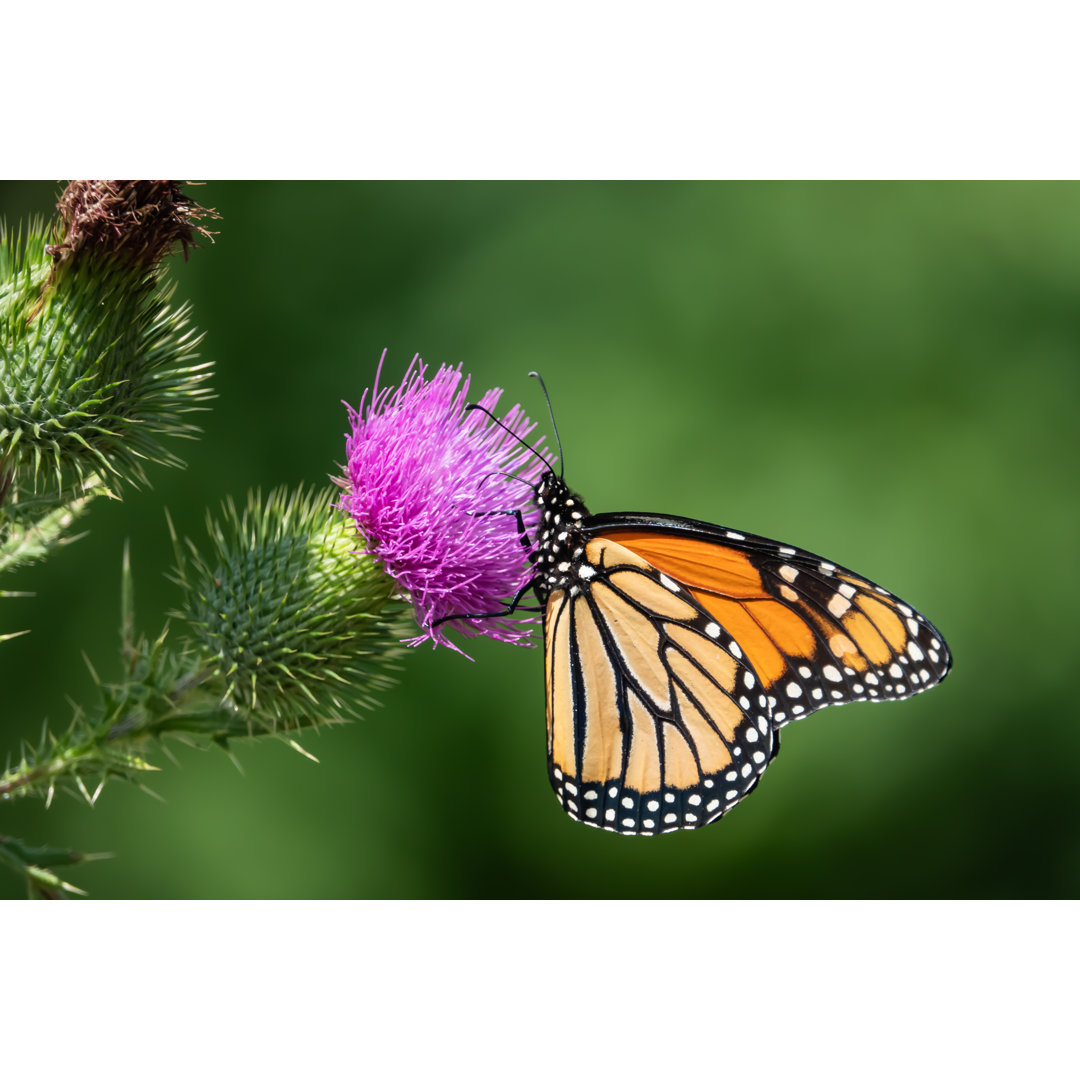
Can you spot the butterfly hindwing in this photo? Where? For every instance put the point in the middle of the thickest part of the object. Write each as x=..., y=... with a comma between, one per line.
x=656, y=719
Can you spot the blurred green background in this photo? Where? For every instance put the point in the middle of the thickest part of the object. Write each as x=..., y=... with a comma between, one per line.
x=887, y=374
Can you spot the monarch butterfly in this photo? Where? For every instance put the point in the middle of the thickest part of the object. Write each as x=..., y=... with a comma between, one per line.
x=675, y=651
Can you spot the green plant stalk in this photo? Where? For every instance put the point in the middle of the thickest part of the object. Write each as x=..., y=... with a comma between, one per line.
x=168, y=695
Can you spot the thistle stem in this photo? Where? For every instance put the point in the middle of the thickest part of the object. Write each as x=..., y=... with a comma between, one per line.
x=85, y=755
x=114, y=744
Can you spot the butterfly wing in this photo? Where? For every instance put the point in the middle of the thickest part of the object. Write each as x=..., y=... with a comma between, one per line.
x=656, y=719
x=814, y=632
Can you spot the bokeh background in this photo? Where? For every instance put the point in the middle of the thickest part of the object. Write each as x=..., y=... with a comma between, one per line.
x=887, y=374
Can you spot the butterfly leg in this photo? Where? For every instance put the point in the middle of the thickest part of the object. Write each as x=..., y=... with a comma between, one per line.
x=523, y=534
x=514, y=605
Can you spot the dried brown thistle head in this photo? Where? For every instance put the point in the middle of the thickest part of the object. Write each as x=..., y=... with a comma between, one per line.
x=139, y=220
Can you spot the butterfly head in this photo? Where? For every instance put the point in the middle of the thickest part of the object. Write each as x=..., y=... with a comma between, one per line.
x=560, y=540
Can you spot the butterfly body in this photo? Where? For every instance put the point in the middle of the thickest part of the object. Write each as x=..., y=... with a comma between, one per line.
x=676, y=650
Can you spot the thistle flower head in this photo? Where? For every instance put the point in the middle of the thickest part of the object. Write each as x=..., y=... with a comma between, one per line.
x=433, y=491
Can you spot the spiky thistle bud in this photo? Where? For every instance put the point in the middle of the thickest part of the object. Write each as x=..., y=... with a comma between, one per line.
x=298, y=625
x=94, y=365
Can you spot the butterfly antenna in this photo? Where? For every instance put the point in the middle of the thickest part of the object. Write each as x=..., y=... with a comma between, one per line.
x=508, y=475
x=491, y=416
x=551, y=412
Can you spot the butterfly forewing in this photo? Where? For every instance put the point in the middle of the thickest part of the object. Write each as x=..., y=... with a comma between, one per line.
x=656, y=719
x=816, y=633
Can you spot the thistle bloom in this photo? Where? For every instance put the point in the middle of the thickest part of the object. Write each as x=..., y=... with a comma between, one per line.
x=433, y=490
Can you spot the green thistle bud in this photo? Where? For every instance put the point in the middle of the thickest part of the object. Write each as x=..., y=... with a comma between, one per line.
x=94, y=365
x=299, y=626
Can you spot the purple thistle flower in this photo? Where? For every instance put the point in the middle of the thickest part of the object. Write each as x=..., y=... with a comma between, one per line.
x=422, y=479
